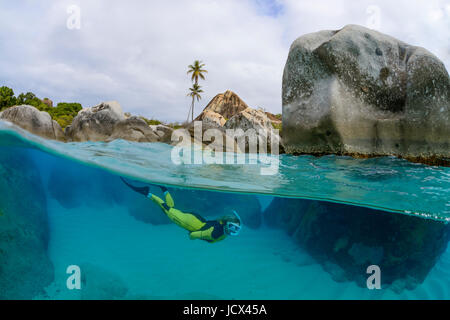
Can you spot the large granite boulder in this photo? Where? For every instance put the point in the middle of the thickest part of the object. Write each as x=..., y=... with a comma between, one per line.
x=226, y=104
x=256, y=127
x=95, y=123
x=222, y=107
x=226, y=113
x=347, y=239
x=25, y=268
x=37, y=122
x=133, y=129
x=359, y=92
x=212, y=119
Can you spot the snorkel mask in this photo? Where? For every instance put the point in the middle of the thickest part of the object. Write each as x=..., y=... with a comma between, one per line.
x=232, y=228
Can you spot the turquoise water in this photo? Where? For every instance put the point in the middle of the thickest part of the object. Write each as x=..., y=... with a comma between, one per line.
x=310, y=230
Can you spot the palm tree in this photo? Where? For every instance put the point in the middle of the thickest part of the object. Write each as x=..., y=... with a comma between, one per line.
x=194, y=94
x=197, y=71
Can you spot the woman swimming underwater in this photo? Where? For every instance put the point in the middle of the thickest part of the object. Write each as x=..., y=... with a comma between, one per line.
x=198, y=227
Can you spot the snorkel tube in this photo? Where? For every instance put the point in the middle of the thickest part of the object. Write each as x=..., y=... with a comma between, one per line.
x=237, y=216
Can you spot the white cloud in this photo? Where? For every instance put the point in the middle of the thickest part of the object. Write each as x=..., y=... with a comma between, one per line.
x=137, y=52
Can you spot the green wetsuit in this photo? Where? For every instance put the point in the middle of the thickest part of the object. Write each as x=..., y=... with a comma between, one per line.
x=199, y=228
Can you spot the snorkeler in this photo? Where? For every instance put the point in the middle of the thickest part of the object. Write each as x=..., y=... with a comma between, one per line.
x=198, y=227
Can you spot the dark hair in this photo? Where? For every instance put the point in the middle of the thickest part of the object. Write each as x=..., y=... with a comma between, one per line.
x=229, y=218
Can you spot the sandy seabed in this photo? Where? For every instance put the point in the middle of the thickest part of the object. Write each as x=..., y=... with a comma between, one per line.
x=135, y=260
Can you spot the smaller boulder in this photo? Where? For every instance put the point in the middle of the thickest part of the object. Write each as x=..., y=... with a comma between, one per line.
x=164, y=132
x=31, y=119
x=226, y=104
x=256, y=127
x=133, y=129
x=95, y=123
x=48, y=102
x=250, y=119
x=212, y=119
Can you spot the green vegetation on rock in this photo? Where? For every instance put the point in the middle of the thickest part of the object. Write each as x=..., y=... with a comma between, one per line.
x=7, y=98
x=63, y=113
x=278, y=126
x=151, y=122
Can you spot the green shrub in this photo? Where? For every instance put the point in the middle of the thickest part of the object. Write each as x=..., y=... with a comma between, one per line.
x=64, y=121
x=7, y=98
x=151, y=122
x=177, y=125
x=63, y=113
x=278, y=126
x=30, y=98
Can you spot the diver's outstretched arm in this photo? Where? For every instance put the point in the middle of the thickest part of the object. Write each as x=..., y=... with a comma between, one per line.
x=142, y=190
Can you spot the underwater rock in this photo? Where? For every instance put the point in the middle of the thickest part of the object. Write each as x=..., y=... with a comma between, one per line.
x=37, y=122
x=353, y=238
x=25, y=268
x=133, y=129
x=100, y=284
x=359, y=92
x=143, y=209
x=95, y=123
x=64, y=177
x=285, y=213
x=365, y=255
x=337, y=273
x=60, y=187
x=108, y=190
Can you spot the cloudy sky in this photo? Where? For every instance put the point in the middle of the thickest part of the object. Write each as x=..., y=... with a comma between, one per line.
x=137, y=52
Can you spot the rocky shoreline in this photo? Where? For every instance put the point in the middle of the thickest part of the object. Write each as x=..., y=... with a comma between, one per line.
x=351, y=92
x=107, y=122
